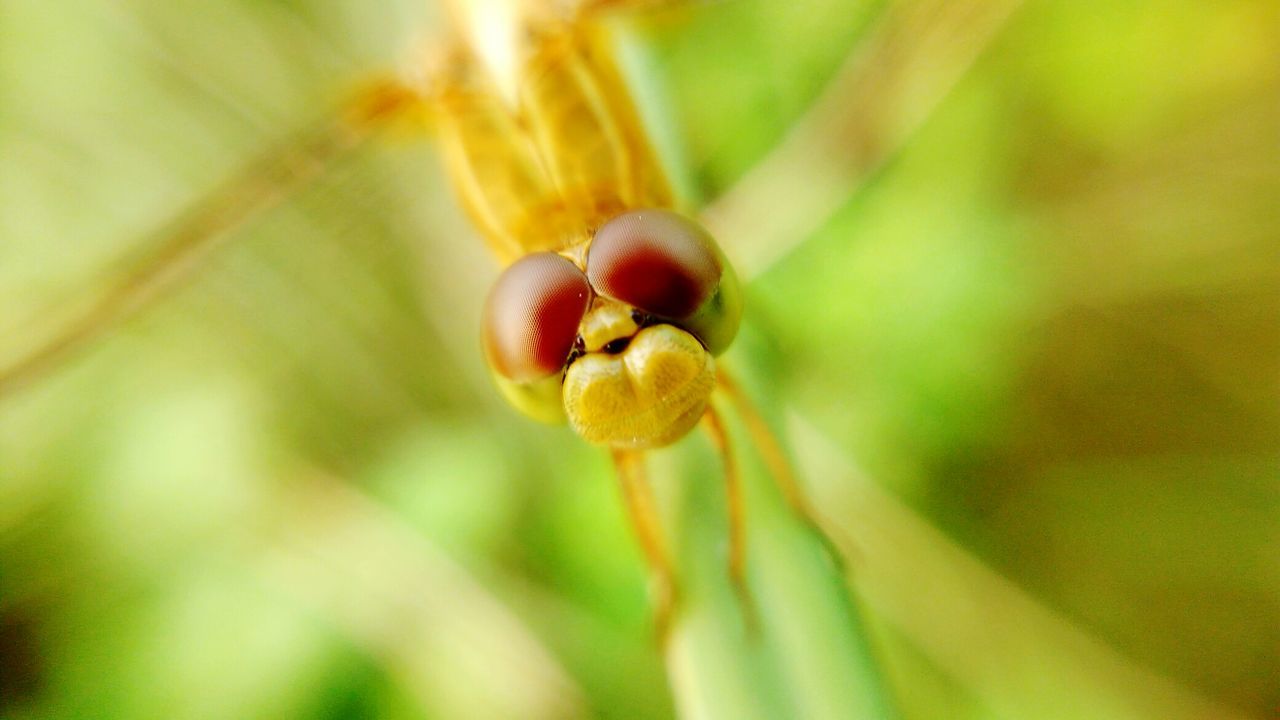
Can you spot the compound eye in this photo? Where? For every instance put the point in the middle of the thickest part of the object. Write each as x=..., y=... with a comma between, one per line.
x=655, y=260
x=532, y=315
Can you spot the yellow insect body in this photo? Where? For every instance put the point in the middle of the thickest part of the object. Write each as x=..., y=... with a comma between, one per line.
x=571, y=152
x=543, y=173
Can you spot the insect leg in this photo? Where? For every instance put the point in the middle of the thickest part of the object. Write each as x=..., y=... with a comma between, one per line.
x=714, y=426
x=639, y=501
x=776, y=460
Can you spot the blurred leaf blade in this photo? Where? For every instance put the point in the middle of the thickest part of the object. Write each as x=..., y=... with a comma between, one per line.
x=802, y=649
x=1023, y=658
x=1042, y=323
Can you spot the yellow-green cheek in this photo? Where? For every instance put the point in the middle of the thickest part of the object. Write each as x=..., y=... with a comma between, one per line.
x=717, y=321
x=540, y=399
x=649, y=395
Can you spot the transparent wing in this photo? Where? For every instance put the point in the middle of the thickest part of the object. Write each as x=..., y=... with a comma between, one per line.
x=174, y=251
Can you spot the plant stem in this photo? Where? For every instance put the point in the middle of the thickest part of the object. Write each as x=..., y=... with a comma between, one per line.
x=801, y=650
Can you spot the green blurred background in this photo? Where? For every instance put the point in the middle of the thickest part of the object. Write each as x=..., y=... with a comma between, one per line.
x=1048, y=324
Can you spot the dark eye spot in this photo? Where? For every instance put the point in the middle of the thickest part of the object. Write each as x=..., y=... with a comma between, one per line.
x=655, y=260
x=613, y=347
x=532, y=315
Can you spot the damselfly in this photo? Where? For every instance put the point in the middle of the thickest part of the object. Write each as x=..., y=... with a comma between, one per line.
x=614, y=303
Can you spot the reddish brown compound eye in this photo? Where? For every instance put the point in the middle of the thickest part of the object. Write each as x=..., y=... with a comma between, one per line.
x=654, y=260
x=531, y=317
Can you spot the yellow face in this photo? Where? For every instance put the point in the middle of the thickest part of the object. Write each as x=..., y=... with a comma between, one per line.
x=623, y=347
x=648, y=395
